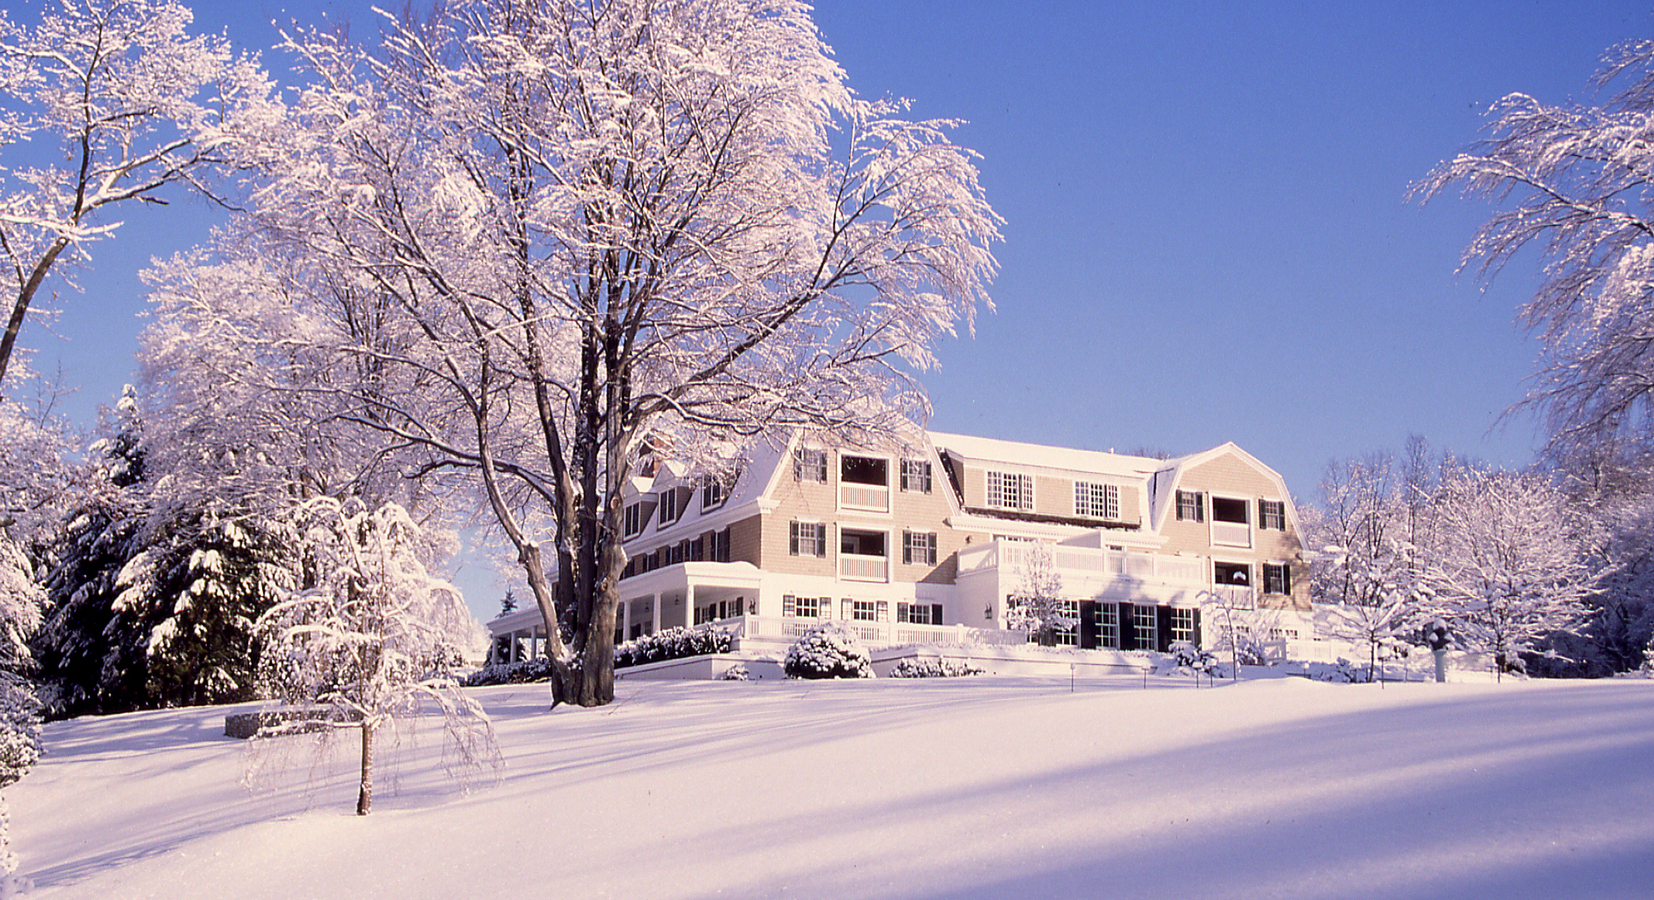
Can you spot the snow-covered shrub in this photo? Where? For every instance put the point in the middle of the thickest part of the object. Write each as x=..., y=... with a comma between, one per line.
x=933, y=668
x=828, y=651
x=1341, y=672
x=523, y=671
x=673, y=643
x=1186, y=655
x=737, y=672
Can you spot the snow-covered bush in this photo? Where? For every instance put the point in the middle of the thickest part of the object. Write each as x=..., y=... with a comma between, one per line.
x=828, y=651
x=737, y=672
x=523, y=671
x=673, y=643
x=933, y=668
x=1185, y=655
x=1340, y=672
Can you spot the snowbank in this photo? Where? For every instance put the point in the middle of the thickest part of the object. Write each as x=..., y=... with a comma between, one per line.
x=963, y=788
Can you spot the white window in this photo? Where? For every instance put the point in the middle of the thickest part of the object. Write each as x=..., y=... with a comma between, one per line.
x=633, y=520
x=668, y=507
x=1069, y=635
x=1099, y=501
x=1008, y=490
x=1277, y=578
x=807, y=539
x=919, y=613
x=804, y=607
x=712, y=493
x=864, y=611
x=1183, y=625
x=1272, y=514
x=1143, y=625
x=809, y=465
x=1108, y=626
x=916, y=475
x=1191, y=506
x=919, y=548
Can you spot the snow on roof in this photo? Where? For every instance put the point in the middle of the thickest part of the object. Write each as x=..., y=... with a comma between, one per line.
x=1018, y=453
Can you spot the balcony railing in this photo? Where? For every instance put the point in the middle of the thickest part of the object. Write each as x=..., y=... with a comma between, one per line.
x=1231, y=534
x=881, y=633
x=1012, y=556
x=871, y=497
x=856, y=567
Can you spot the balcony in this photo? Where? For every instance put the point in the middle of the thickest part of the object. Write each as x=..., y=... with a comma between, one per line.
x=1231, y=534
x=861, y=567
x=868, y=497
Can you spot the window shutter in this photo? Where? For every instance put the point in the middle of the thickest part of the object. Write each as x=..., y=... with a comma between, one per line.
x=1286, y=578
x=1198, y=640
x=792, y=538
x=935, y=612
x=740, y=606
x=1088, y=624
x=1128, y=628
x=907, y=548
x=1162, y=627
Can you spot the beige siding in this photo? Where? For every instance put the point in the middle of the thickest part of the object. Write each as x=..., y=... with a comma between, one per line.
x=921, y=512
x=1229, y=475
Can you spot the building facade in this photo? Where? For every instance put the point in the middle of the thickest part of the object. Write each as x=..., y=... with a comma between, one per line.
x=934, y=541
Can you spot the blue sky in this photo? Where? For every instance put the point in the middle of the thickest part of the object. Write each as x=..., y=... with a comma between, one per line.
x=1206, y=230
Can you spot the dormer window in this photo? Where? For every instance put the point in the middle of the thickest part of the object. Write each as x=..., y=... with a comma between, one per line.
x=668, y=507
x=1008, y=490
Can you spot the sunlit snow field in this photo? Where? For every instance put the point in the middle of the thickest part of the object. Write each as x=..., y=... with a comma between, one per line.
x=980, y=787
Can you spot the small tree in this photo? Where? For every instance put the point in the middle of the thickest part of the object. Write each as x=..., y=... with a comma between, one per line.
x=376, y=636
x=20, y=603
x=1511, y=568
x=1037, y=606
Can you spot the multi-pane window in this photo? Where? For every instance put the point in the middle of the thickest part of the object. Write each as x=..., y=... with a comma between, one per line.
x=919, y=613
x=804, y=607
x=712, y=493
x=1009, y=490
x=919, y=548
x=1277, y=578
x=864, y=611
x=1191, y=506
x=809, y=465
x=1069, y=635
x=916, y=475
x=1108, y=626
x=807, y=539
x=1143, y=626
x=1272, y=514
x=1099, y=501
x=1183, y=625
x=668, y=507
x=633, y=519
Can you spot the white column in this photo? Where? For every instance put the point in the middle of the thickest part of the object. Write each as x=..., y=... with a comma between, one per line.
x=625, y=620
x=655, y=625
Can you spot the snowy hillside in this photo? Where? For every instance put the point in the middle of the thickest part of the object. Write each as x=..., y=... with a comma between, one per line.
x=969, y=788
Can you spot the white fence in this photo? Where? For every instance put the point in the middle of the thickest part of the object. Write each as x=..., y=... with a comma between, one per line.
x=880, y=633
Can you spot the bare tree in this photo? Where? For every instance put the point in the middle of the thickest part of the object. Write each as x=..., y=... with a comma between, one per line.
x=1578, y=178
x=134, y=102
x=596, y=228
x=1037, y=605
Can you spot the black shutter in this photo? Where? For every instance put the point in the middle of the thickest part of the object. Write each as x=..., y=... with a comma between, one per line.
x=1286, y=578
x=1128, y=628
x=1197, y=626
x=936, y=614
x=1162, y=628
x=1088, y=624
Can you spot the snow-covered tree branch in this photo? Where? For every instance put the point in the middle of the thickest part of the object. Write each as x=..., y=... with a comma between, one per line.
x=134, y=102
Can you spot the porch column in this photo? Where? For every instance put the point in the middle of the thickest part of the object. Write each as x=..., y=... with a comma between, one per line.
x=512, y=637
x=655, y=625
x=625, y=621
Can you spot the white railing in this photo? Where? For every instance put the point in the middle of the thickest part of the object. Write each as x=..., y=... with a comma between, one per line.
x=875, y=497
x=1012, y=556
x=1235, y=596
x=856, y=567
x=880, y=633
x=1232, y=534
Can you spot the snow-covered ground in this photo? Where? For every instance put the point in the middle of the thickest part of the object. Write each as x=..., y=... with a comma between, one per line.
x=973, y=788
